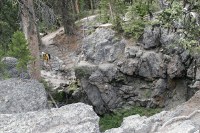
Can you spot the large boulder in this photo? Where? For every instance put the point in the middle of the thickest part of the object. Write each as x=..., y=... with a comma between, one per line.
x=83, y=71
x=129, y=66
x=151, y=37
x=155, y=37
x=168, y=37
x=74, y=118
x=18, y=96
x=102, y=46
x=175, y=68
x=10, y=69
x=151, y=65
x=10, y=62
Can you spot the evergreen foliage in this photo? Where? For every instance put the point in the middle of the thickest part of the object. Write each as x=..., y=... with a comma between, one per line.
x=8, y=22
x=19, y=49
x=174, y=17
x=138, y=15
x=104, y=9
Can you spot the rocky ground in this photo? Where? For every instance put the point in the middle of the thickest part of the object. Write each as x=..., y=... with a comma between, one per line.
x=81, y=118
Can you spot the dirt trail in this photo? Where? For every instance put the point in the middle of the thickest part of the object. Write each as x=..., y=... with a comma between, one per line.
x=63, y=50
x=48, y=39
x=62, y=57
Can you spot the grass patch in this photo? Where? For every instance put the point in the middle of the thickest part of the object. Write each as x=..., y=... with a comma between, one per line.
x=115, y=119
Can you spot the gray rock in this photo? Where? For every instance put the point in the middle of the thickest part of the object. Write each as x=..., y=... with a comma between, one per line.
x=102, y=46
x=191, y=70
x=129, y=66
x=139, y=53
x=116, y=51
x=104, y=74
x=185, y=56
x=109, y=96
x=175, y=68
x=84, y=69
x=18, y=96
x=10, y=62
x=94, y=96
x=179, y=93
x=196, y=85
x=10, y=69
x=109, y=71
x=93, y=81
x=74, y=118
x=100, y=78
x=160, y=87
x=126, y=90
x=167, y=38
x=197, y=77
x=183, y=127
x=150, y=64
x=151, y=38
x=131, y=52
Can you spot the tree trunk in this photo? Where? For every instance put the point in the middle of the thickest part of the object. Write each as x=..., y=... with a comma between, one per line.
x=31, y=34
x=67, y=17
x=77, y=7
x=92, y=6
x=73, y=8
x=111, y=9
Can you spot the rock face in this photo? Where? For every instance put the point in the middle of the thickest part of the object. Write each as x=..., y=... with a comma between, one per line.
x=18, y=96
x=154, y=73
x=183, y=119
x=74, y=118
x=102, y=46
x=150, y=65
x=175, y=68
x=151, y=38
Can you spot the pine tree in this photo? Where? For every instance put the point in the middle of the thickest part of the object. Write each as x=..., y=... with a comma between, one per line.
x=19, y=49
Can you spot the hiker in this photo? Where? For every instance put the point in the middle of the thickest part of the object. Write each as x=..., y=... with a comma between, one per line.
x=46, y=57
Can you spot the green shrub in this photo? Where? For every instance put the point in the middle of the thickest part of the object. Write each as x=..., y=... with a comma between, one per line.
x=19, y=49
x=114, y=120
x=134, y=28
x=137, y=13
x=60, y=96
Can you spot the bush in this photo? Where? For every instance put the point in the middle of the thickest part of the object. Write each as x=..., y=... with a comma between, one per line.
x=137, y=15
x=134, y=28
x=19, y=49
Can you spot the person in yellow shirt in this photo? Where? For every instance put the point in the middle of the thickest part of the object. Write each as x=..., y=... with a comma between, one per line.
x=46, y=57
